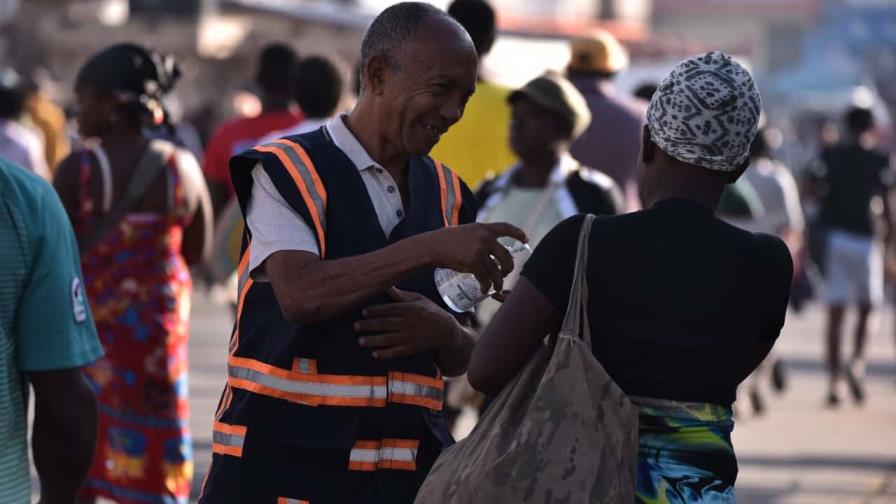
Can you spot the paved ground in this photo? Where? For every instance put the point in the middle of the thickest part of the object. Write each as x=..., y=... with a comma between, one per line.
x=803, y=453
x=798, y=453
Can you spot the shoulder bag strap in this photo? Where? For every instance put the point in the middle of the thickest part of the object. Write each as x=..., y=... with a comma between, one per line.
x=575, y=323
x=153, y=160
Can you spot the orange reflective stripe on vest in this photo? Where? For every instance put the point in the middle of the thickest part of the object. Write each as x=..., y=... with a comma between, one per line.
x=306, y=388
x=228, y=439
x=244, y=283
x=449, y=191
x=400, y=454
x=408, y=388
x=303, y=385
x=304, y=175
x=287, y=500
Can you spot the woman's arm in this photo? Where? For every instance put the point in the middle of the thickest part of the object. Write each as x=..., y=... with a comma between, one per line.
x=532, y=311
x=520, y=325
x=66, y=181
x=198, y=234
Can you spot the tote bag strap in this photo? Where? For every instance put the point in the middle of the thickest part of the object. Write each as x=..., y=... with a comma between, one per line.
x=575, y=323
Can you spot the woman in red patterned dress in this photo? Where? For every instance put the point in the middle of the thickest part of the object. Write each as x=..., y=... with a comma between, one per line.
x=136, y=276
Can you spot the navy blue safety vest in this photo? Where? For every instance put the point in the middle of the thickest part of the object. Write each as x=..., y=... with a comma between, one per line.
x=312, y=385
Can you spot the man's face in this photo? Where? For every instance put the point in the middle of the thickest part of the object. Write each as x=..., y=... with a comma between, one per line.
x=428, y=92
x=534, y=129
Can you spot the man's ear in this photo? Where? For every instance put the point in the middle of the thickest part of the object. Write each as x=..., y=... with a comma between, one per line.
x=736, y=174
x=648, y=148
x=375, y=74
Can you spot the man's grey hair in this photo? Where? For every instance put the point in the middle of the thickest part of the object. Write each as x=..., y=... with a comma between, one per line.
x=393, y=27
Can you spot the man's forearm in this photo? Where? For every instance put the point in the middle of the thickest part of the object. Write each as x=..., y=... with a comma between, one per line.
x=63, y=444
x=332, y=287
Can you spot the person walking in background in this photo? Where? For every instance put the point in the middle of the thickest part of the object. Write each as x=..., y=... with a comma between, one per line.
x=18, y=144
x=777, y=191
x=548, y=185
x=612, y=141
x=318, y=89
x=682, y=306
x=781, y=216
x=545, y=187
x=274, y=79
x=477, y=145
x=142, y=214
x=335, y=366
x=857, y=182
x=46, y=335
x=49, y=119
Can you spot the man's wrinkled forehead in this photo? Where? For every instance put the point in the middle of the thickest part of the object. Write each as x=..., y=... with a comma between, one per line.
x=437, y=42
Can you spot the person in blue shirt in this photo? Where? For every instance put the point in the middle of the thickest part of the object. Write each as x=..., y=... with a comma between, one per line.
x=46, y=335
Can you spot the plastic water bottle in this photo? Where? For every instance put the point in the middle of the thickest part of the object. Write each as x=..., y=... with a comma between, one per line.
x=461, y=291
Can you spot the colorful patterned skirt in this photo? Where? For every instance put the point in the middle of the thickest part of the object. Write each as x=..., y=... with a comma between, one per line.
x=684, y=453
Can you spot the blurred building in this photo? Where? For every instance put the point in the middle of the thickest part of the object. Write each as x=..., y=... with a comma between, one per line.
x=768, y=32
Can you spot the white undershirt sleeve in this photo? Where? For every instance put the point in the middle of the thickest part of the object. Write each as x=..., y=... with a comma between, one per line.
x=274, y=224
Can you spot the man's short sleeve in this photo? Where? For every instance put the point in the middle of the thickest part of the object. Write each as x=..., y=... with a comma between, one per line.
x=274, y=224
x=53, y=326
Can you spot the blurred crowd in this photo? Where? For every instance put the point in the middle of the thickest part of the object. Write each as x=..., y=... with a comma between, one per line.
x=153, y=205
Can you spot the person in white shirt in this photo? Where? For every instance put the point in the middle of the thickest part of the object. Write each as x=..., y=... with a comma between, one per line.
x=777, y=190
x=319, y=88
x=18, y=144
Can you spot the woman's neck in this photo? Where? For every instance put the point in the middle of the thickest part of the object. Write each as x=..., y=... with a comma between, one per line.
x=122, y=136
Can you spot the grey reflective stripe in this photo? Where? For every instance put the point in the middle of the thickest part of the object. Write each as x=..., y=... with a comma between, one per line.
x=292, y=501
x=304, y=172
x=415, y=389
x=385, y=453
x=402, y=454
x=364, y=455
x=304, y=366
x=228, y=439
x=450, y=200
x=309, y=387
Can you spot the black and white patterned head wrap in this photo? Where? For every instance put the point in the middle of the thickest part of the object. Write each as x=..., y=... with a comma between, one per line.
x=706, y=112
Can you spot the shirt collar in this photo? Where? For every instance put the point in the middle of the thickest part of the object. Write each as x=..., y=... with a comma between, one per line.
x=682, y=204
x=564, y=167
x=349, y=144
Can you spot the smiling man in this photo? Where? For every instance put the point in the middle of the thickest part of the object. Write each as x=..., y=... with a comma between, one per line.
x=335, y=368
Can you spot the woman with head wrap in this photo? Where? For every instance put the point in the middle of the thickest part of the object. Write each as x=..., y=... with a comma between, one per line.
x=682, y=306
x=141, y=212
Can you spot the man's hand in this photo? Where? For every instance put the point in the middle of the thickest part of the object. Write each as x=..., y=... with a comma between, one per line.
x=474, y=248
x=410, y=326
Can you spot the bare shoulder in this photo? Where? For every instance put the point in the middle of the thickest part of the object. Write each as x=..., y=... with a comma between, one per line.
x=190, y=172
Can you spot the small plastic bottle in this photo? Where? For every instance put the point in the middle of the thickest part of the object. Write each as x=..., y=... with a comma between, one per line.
x=462, y=292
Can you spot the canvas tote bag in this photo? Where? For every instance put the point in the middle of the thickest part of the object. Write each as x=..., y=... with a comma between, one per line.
x=560, y=431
